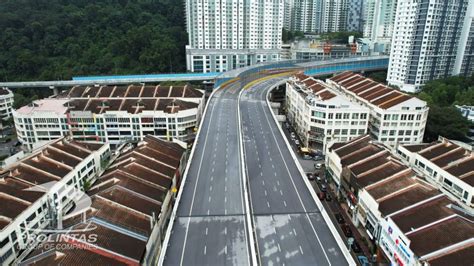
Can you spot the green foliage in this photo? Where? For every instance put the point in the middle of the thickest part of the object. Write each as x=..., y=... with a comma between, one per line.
x=447, y=122
x=58, y=39
x=87, y=185
x=444, y=119
x=24, y=96
x=379, y=76
x=340, y=37
x=8, y=122
x=289, y=36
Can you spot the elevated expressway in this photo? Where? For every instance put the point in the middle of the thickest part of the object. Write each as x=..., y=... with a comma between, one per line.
x=290, y=228
x=244, y=200
x=314, y=68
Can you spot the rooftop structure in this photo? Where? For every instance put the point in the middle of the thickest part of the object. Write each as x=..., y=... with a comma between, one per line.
x=38, y=190
x=114, y=114
x=447, y=165
x=395, y=117
x=311, y=49
x=411, y=220
x=321, y=114
x=131, y=203
x=433, y=231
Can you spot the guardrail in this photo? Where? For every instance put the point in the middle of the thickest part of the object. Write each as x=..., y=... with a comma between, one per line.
x=371, y=62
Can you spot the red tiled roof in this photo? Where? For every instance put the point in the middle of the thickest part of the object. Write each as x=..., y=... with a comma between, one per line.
x=381, y=95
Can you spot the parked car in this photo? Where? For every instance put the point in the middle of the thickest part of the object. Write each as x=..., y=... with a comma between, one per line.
x=318, y=166
x=321, y=195
x=318, y=179
x=306, y=157
x=310, y=176
x=323, y=188
x=317, y=158
x=293, y=135
x=328, y=197
x=339, y=218
x=346, y=229
x=297, y=142
x=355, y=247
x=287, y=125
x=363, y=260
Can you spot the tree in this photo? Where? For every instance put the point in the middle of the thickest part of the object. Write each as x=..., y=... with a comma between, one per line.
x=340, y=37
x=379, y=76
x=447, y=122
x=58, y=39
x=444, y=119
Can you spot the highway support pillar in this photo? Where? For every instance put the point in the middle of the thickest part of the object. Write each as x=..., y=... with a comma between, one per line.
x=55, y=90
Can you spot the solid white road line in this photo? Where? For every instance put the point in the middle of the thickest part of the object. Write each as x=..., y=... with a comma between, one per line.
x=195, y=185
x=294, y=186
x=245, y=194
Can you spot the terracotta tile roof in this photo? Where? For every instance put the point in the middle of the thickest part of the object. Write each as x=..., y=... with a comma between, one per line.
x=424, y=214
x=415, y=147
x=132, y=91
x=457, y=256
x=391, y=185
x=351, y=146
x=362, y=88
x=407, y=197
x=449, y=156
x=380, y=95
x=342, y=76
x=326, y=95
x=71, y=257
x=441, y=235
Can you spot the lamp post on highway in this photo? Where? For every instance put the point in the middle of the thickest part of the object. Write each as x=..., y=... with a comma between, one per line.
x=350, y=241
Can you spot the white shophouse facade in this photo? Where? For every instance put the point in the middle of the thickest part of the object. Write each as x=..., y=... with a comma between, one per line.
x=50, y=208
x=395, y=117
x=446, y=165
x=320, y=114
x=116, y=120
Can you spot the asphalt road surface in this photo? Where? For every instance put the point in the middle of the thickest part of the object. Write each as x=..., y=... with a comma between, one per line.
x=210, y=227
x=290, y=229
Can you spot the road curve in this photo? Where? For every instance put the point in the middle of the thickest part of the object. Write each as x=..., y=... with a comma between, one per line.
x=210, y=226
x=290, y=228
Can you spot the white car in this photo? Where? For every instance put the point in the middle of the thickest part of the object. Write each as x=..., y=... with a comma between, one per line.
x=318, y=166
x=297, y=142
x=293, y=135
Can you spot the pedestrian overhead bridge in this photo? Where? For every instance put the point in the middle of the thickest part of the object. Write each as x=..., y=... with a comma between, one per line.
x=312, y=68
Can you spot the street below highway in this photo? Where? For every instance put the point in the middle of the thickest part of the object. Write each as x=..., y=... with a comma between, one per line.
x=290, y=228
